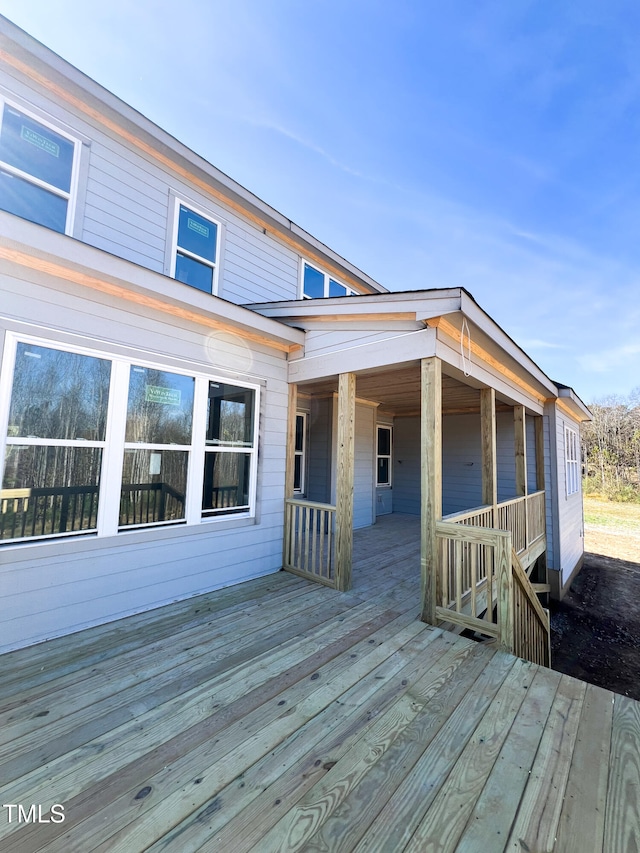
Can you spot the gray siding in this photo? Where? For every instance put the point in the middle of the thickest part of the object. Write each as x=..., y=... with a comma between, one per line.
x=505, y=456
x=319, y=456
x=56, y=587
x=570, y=508
x=406, y=465
x=461, y=463
x=126, y=209
x=363, y=486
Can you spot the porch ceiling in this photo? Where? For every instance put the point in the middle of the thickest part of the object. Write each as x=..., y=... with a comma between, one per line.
x=397, y=391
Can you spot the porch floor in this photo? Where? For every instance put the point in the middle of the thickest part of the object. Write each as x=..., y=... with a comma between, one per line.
x=280, y=715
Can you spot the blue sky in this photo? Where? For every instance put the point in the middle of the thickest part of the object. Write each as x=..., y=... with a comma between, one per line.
x=489, y=145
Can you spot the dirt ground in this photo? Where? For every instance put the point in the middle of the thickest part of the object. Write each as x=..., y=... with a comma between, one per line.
x=596, y=628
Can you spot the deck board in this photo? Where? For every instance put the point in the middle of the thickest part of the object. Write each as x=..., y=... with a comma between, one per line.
x=278, y=715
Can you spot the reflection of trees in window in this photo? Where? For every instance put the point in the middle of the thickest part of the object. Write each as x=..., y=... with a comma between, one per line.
x=56, y=397
x=230, y=425
x=160, y=407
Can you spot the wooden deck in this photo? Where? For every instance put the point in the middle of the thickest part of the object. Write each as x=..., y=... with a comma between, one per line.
x=281, y=715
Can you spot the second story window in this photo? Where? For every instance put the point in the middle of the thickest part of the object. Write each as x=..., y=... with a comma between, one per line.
x=196, y=249
x=37, y=170
x=317, y=284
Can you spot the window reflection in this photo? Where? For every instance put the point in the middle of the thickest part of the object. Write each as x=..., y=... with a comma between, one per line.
x=154, y=485
x=160, y=407
x=226, y=481
x=230, y=415
x=59, y=395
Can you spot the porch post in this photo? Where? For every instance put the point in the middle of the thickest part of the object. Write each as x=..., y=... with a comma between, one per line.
x=430, y=481
x=489, y=455
x=344, y=481
x=520, y=444
x=289, y=471
x=291, y=441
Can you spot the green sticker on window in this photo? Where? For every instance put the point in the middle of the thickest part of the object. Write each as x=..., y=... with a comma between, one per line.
x=40, y=141
x=198, y=227
x=165, y=396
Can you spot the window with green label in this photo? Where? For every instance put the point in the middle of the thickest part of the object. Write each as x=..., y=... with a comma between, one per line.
x=98, y=445
x=196, y=249
x=37, y=167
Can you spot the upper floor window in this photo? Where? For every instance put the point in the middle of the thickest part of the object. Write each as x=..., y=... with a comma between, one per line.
x=195, y=260
x=317, y=284
x=572, y=460
x=37, y=170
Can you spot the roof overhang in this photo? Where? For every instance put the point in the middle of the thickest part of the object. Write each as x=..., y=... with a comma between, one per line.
x=34, y=253
x=572, y=404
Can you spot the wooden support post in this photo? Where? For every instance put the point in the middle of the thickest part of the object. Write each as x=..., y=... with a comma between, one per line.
x=504, y=581
x=520, y=447
x=345, y=474
x=431, y=482
x=489, y=456
x=289, y=470
x=539, y=429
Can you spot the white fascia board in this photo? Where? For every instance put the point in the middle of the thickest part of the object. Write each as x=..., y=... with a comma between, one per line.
x=19, y=43
x=483, y=321
x=60, y=251
x=422, y=305
x=571, y=399
x=400, y=349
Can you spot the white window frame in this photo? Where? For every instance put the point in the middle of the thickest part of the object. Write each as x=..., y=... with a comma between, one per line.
x=388, y=456
x=72, y=195
x=114, y=445
x=572, y=460
x=178, y=202
x=302, y=454
x=350, y=291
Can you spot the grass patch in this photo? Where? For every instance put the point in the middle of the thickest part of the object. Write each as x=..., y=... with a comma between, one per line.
x=611, y=515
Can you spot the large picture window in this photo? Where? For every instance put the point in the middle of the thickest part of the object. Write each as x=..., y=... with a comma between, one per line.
x=95, y=445
x=37, y=169
x=196, y=249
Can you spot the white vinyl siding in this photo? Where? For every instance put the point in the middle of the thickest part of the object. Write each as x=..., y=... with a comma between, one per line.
x=54, y=587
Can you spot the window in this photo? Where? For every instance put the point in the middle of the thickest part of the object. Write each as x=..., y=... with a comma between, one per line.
x=230, y=449
x=37, y=170
x=317, y=284
x=572, y=460
x=195, y=249
x=299, y=463
x=96, y=445
x=383, y=477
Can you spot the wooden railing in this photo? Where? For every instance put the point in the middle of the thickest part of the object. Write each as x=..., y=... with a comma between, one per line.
x=481, y=586
x=531, y=635
x=523, y=517
x=309, y=532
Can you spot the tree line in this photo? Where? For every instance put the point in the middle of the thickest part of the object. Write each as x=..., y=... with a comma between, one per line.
x=611, y=448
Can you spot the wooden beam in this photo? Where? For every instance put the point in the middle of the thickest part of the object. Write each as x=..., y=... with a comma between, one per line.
x=539, y=430
x=431, y=482
x=504, y=580
x=488, y=443
x=291, y=441
x=345, y=464
x=520, y=448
